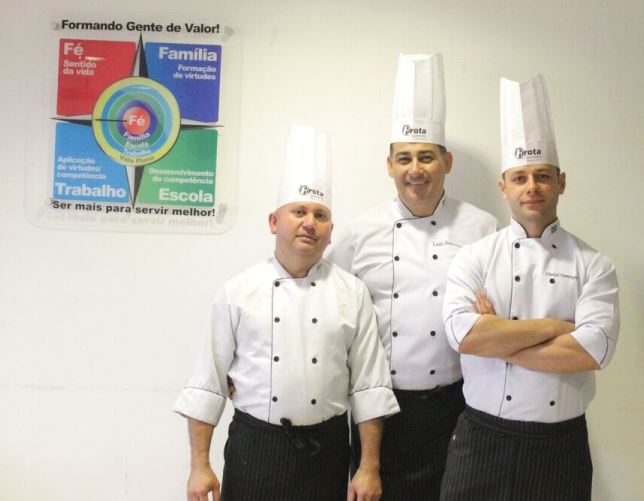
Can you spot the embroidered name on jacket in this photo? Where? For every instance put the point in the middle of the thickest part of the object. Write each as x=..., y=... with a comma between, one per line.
x=561, y=275
x=445, y=242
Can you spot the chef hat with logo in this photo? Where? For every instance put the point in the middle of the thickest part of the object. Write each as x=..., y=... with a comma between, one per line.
x=419, y=100
x=527, y=135
x=307, y=169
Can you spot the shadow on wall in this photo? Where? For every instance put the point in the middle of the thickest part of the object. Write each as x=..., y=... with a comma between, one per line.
x=600, y=490
x=475, y=181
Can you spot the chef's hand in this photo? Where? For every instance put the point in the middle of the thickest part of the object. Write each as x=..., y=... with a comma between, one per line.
x=483, y=306
x=365, y=485
x=202, y=481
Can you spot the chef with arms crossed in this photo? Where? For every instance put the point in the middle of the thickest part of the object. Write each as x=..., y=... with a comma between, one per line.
x=401, y=249
x=296, y=338
x=533, y=310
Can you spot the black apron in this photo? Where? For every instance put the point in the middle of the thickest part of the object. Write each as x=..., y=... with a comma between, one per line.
x=497, y=459
x=414, y=443
x=263, y=461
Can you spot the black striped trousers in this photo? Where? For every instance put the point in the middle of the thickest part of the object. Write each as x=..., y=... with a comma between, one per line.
x=267, y=462
x=495, y=459
x=415, y=441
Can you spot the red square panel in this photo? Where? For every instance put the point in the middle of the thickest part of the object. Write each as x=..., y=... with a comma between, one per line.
x=86, y=68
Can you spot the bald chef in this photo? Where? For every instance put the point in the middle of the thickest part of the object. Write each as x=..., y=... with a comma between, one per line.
x=296, y=337
x=533, y=310
x=401, y=249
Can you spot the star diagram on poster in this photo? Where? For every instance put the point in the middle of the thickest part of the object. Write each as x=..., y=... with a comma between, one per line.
x=136, y=124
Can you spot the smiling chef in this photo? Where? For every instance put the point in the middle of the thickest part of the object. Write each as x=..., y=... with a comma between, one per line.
x=401, y=249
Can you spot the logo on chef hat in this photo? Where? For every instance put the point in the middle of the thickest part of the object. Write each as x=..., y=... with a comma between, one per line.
x=408, y=130
x=307, y=191
x=533, y=153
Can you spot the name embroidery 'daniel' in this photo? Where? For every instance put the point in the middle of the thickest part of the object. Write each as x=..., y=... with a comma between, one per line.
x=561, y=275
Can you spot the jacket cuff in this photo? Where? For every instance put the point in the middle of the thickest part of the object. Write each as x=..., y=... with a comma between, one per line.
x=202, y=405
x=373, y=403
x=458, y=326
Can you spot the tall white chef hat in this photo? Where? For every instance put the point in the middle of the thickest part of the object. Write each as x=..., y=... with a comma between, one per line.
x=419, y=100
x=307, y=169
x=527, y=135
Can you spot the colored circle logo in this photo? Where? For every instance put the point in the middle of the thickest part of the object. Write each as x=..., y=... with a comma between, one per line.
x=136, y=121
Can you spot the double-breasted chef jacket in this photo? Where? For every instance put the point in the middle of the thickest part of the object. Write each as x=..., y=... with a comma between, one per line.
x=554, y=276
x=305, y=349
x=403, y=259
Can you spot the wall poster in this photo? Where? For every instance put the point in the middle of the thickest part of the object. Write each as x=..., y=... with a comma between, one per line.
x=140, y=131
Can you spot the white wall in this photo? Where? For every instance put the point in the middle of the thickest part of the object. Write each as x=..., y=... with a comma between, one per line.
x=97, y=330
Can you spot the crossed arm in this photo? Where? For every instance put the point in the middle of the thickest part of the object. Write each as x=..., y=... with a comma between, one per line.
x=539, y=344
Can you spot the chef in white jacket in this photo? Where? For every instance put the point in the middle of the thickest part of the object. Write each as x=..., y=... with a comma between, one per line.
x=533, y=310
x=401, y=249
x=293, y=342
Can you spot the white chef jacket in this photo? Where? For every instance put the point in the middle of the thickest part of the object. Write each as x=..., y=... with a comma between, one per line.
x=299, y=348
x=555, y=276
x=403, y=259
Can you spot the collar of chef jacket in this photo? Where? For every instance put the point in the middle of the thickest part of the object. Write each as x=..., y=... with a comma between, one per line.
x=282, y=273
x=405, y=213
x=517, y=231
